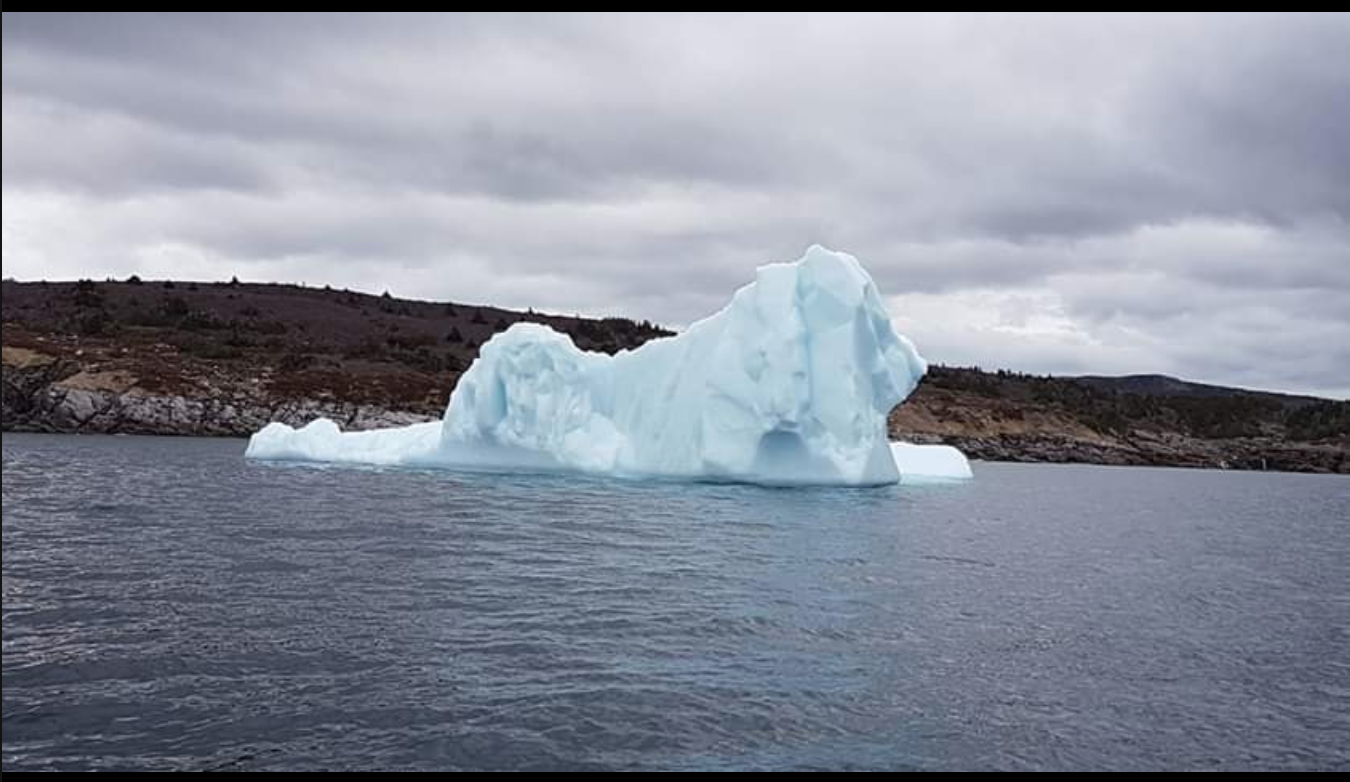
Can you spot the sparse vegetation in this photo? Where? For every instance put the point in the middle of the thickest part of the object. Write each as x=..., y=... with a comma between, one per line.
x=87, y=295
x=1218, y=416
x=406, y=355
x=1320, y=420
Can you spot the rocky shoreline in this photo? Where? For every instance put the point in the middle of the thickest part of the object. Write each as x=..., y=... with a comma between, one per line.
x=1005, y=429
x=52, y=396
x=225, y=359
x=1148, y=450
x=42, y=394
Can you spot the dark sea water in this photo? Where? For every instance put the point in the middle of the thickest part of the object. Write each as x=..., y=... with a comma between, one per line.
x=168, y=605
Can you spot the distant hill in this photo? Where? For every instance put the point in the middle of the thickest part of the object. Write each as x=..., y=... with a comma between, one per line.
x=1140, y=419
x=160, y=356
x=225, y=358
x=1163, y=385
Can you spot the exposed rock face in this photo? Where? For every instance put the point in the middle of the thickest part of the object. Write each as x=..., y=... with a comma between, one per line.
x=1151, y=449
x=227, y=358
x=1003, y=429
x=224, y=359
x=43, y=394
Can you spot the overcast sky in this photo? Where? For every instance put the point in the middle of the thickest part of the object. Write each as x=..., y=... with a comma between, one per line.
x=1063, y=194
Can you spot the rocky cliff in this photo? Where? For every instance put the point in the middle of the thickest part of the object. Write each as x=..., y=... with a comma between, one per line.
x=226, y=358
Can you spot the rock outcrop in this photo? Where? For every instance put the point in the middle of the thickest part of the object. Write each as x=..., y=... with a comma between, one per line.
x=225, y=359
x=43, y=394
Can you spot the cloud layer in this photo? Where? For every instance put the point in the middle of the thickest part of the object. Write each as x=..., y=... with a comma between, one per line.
x=1046, y=193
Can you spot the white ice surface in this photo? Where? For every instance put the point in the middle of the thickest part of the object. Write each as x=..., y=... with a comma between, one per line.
x=790, y=383
x=925, y=463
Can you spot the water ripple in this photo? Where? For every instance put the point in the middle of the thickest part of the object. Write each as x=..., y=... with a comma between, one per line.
x=168, y=605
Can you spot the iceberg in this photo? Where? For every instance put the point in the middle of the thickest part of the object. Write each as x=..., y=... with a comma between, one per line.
x=789, y=384
x=930, y=463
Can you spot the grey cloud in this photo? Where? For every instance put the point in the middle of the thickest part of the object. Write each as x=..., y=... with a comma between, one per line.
x=1140, y=171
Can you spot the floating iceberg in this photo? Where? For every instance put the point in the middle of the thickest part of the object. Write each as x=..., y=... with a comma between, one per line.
x=929, y=463
x=790, y=383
